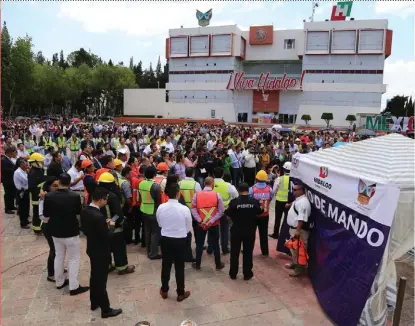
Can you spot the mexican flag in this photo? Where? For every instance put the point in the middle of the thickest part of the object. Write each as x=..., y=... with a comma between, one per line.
x=342, y=10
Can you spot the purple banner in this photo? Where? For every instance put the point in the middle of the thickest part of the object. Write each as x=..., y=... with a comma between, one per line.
x=343, y=260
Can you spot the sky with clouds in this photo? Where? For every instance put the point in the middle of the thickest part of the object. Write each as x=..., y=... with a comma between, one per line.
x=120, y=30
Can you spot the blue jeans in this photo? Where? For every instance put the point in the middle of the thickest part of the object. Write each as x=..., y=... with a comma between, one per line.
x=236, y=176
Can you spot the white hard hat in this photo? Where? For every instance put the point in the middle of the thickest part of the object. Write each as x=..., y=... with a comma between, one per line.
x=287, y=166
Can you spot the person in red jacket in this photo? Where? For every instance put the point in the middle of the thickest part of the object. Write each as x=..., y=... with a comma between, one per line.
x=137, y=215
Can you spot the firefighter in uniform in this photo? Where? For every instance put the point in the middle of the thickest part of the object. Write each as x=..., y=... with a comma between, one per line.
x=243, y=212
x=263, y=193
x=114, y=212
x=150, y=197
x=281, y=189
x=36, y=179
x=207, y=209
x=137, y=215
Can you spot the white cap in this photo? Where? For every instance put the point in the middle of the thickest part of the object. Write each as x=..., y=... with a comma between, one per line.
x=287, y=166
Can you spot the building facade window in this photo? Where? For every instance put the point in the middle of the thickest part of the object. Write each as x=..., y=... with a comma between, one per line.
x=289, y=44
x=287, y=119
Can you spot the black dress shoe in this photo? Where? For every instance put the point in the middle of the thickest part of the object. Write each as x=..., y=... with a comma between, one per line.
x=155, y=257
x=247, y=278
x=196, y=266
x=66, y=283
x=79, y=290
x=225, y=252
x=232, y=277
x=221, y=266
x=9, y=212
x=111, y=313
x=94, y=307
x=26, y=227
x=274, y=236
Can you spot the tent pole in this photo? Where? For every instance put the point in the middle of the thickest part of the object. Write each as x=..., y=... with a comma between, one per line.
x=399, y=301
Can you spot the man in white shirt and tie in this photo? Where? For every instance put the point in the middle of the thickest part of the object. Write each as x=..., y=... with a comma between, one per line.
x=175, y=221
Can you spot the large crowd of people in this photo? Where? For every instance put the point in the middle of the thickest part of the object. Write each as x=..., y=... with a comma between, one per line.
x=157, y=186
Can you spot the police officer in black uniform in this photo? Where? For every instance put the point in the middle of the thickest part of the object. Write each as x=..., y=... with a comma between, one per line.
x=243, y=212
x=98, y=240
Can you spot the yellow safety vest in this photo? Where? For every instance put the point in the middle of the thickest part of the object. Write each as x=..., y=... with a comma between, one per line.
x=74, y=145
x=283, y=189
x=187, y=189
x=47, y=142
x=61, y=142
x=222, y=188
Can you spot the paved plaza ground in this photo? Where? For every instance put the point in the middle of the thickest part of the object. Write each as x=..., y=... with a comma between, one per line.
x=270, y=298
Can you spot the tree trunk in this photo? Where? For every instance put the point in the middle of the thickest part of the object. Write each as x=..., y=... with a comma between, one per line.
x=13, y=100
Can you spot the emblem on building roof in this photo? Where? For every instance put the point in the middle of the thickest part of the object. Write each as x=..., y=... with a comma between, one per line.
x=204, y=18
x=260, y=34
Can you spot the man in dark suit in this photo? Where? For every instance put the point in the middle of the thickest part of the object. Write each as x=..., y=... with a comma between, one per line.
x=7, y=171
x=56, y=168
x=95, y=227
x=133, y=146
x=62, y=208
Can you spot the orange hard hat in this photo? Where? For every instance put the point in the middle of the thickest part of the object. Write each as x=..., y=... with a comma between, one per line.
x=86, y=163
x=162, y=167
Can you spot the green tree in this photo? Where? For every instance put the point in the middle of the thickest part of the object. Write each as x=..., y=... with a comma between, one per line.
x=62, y=62
x=80, y=57
x=138, y=72
x=159, y=72
x=40, y=59
x=399, y=106
x=351, y=118
x=55, y=59
x=6, y=45
x=327, y=117
x=306, y=118
x=110, y=63
x=17, y=77
x=131, y=63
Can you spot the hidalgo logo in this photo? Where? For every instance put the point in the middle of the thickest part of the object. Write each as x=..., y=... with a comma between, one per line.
x=365, y=192
x=260, y=35
x=324, y=172
x=204, y=18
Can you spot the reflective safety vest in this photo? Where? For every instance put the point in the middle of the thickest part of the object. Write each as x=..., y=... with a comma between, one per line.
x=30, y=146
x=136, y=194
x=99, y=172
x=74, y=145
x=147, y=202
x=188, y=190
x=283, y=189
x=222, y=188
x=116, y=142
x=159, y=179
x=207, y=205
x=116, y=230
x=264, y=197
x=47, y=142
x=61, y=142
x=36, y=202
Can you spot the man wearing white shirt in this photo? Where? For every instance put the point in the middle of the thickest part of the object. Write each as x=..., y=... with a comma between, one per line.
x=22, y=152
x=175, y=221
x=21, y=183
x=211, y=143
x=77, y=177
x=168, y=146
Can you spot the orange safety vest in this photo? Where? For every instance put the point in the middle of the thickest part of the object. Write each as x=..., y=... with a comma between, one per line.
x=264, y=197
x=159, y=180
x=207, y=205
x=136, y=194
x=298, y=245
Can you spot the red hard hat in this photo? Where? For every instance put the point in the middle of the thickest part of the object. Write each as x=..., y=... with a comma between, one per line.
x=86, y=163
x=162, y=167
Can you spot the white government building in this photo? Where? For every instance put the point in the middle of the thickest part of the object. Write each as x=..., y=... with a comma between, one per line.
x=226, y=73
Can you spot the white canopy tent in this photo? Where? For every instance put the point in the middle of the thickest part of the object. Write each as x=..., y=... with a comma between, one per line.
x=391, y=158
